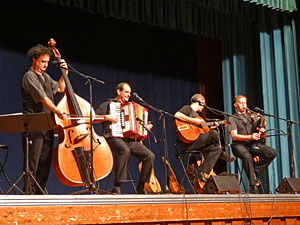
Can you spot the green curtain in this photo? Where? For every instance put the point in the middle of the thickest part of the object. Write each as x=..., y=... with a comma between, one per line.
x=190, y=16
x=284, y=5
x=280, y=87
x=240, y=70
x=268, y=76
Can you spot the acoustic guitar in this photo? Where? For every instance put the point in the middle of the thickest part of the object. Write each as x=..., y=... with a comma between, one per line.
x=188, y=132
x=153, y=187
x=174, y=185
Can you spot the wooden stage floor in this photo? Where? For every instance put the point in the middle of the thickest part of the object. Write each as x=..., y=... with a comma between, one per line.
x=162, y=209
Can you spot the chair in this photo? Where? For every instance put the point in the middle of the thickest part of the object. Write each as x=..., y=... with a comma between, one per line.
x=190, y=158
x=240, y=173
x=111, y=175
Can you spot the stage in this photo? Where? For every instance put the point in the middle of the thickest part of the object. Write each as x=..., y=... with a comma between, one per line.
x=151, y=209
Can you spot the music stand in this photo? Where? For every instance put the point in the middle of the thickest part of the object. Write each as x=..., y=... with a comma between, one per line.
x=25, y=123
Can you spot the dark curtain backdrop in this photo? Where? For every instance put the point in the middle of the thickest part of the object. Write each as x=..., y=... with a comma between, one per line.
x=161, y=65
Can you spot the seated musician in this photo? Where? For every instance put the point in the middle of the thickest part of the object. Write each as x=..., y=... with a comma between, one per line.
x=255, y=156
x=207, y=143
x=123, y=148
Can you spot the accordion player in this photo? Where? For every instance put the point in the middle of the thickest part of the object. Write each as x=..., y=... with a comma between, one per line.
x=132, y=118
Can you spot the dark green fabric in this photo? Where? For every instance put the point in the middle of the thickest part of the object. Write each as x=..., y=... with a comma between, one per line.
x=284, y=5
x=189, y=16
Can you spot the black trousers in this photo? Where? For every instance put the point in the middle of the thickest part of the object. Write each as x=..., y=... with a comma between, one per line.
x=245, y=151
x=208, y=144
x=40, y=156
x=123, y=149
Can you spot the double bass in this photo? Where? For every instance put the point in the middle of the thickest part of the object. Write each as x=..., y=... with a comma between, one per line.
x=72, y=157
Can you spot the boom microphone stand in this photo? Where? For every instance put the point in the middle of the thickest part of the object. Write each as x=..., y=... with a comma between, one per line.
x=226, y=117
x=164, y=134
x=290, y=135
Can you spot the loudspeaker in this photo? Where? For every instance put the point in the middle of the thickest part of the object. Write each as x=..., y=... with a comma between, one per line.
x=289, y=186
x=221, y=185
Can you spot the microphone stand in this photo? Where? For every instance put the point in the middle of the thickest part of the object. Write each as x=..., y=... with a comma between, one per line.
x=89, y=80
x=144, y=126
x=227, y=145
x=163, y=139
x=290, y=136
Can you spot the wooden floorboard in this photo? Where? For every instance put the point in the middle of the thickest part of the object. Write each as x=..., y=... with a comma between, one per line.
x=161, y=209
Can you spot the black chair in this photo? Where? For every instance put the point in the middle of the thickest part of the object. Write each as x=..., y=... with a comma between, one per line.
x=240, y=174
x=129, y=179
x=190, y=165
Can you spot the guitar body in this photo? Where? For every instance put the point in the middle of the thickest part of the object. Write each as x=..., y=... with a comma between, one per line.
x=188, y=132
x=153, y=187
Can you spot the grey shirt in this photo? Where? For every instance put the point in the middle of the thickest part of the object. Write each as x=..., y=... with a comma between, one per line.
x=34, y=88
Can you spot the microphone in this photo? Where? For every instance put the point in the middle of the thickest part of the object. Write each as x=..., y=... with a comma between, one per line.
x=136, y=96
x=3, y=147
x=201, y=103
x=56, y=63
x=257, y=109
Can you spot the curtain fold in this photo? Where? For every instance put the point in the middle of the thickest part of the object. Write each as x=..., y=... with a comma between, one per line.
x=284, y=5
x=196, y=17
x=280, y=89
x=266, y=72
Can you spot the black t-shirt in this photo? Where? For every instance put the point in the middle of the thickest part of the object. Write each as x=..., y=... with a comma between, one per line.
x=244, y=125
x=104, y=109
x=188, y=111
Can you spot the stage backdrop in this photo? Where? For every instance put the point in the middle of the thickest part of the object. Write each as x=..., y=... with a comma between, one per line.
x=160, y=65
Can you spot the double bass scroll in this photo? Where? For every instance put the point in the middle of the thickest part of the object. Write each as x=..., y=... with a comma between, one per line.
x=72, y=157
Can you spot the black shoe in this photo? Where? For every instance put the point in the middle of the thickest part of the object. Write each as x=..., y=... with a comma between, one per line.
x=226, y=157
x=254, y=189
x=116, y=190
x=199, y=174
x=142, y=191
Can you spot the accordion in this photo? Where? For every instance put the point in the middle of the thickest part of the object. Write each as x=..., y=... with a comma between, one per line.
x=132, y=118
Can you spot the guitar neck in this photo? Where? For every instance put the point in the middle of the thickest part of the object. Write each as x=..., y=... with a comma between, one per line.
x=213, y=123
